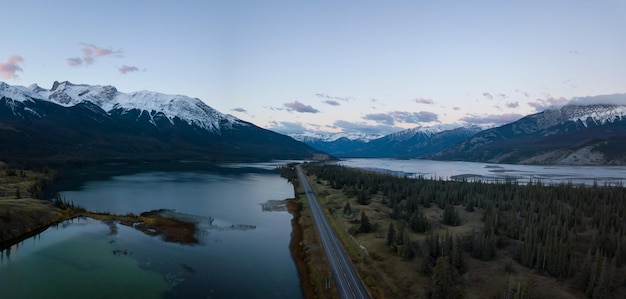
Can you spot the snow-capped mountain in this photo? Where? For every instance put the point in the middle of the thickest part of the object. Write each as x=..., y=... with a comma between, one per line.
x=574, y=134
x=191, y=110
x=410, y=143
x=330, y=137
x=93, y=122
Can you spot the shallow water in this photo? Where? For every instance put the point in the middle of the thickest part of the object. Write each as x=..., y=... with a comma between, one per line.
x=244, y=251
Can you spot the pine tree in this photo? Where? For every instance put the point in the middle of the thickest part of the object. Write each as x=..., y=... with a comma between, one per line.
x=456, y=259
x=451, y=216
x=407, y=251
x=445, y=280
x=391, y=235
x=347, y=209
x=366, y=226
x=595, y=273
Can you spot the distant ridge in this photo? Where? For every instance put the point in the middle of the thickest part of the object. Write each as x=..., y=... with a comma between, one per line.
x=410, y=143
x=572, y=135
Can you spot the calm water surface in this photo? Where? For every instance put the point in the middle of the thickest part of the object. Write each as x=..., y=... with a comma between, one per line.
x=244, y=250
x=490, y=172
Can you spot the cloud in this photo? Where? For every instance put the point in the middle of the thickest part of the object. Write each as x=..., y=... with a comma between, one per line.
x=10, y=67
x=549, y=102
x=573, y=52
x=456, y=108
x=415, y=117
x=90, y=53
x=391, y=118
x=299, y=107
x=496, y=119
x=424, y=101
x=570, y=83
x=76, y=61
x=238, y=109
x=512, y=104
x=384, y=118
x=329, y=97
x=286, y=127
x=331, y=102
x=127, y=69
x=347, y=126
x=610, y=99
x=488, y=96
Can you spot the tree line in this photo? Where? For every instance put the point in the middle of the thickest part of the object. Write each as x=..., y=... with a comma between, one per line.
x=566, y=231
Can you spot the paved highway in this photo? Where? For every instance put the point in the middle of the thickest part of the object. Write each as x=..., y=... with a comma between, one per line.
x=348, y=283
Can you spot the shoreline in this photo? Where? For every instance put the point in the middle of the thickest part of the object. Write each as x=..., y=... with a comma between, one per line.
x=306, y=250
x=152, y=223
x=295, y=248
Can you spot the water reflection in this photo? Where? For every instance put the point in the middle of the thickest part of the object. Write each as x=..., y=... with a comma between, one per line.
x=243, y=250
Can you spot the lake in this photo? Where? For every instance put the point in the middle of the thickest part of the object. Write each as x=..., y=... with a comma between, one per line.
x=243, y=252
x=489, y=172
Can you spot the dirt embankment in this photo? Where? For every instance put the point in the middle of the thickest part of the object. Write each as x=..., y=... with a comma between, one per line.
x=307, y=252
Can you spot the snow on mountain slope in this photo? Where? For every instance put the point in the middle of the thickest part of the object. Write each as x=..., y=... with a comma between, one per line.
x=330, y=137
x=598, y=114
x=17, y=93
x=191, y=110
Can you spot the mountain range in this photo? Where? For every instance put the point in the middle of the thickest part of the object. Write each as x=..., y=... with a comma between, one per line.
x=572, y=135
x=79, y=123
x=411, y=143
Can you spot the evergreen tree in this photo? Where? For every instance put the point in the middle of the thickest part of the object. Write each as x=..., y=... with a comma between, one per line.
x=365, y=226
x=594, y=276
x=407, y=251
x=451, y=216
x=445, y=280
x=347, y=209
x=456, y=259
x=391, y=235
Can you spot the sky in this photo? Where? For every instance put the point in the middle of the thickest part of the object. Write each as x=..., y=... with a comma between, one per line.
x=328, y=66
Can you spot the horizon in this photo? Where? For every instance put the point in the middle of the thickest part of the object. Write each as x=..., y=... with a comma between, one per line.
x=330, y=67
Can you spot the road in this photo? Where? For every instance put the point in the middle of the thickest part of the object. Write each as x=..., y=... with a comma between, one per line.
x=348, y=283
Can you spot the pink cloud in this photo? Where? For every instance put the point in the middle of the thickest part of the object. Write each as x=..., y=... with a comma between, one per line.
x=10, y=67
x=127, y=69
x=90, y=53
x=76, y=61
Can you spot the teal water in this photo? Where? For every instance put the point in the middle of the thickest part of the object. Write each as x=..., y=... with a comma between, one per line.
x=243, y=253
x=75, y=261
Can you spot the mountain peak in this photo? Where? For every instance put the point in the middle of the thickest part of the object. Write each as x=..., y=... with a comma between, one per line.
x=190, y=110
